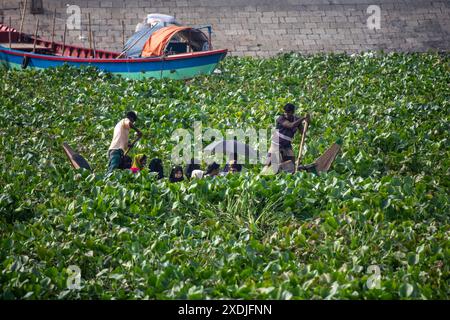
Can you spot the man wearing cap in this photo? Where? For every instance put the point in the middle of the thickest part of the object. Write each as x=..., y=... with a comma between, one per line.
x=281, y=147
x=120, y=142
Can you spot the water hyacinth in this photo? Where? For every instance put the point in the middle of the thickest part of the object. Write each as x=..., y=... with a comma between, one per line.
x=382, y=208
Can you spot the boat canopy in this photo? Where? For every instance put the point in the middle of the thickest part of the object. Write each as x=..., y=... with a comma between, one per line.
x=174, y=39
x=155, y=40
x=134, y=45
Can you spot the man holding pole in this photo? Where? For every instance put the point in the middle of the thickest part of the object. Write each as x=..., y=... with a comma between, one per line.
x=281, y=147
x=119, y=144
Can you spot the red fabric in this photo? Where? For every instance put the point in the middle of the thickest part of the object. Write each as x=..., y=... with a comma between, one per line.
x=154, y=47
x=135, y=170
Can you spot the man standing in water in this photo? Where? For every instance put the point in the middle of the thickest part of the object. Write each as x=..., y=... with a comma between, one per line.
x=120, y=142
x=281, y=147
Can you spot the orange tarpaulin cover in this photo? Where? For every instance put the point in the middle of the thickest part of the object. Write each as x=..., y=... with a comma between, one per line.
x=155, y=45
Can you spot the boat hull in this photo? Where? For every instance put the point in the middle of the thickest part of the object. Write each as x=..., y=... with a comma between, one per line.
x=181, y=66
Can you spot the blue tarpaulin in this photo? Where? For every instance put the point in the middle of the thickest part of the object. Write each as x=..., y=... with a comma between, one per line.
x=135, y=44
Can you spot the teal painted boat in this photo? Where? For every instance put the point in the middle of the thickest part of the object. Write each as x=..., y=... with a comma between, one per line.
x=177, y=54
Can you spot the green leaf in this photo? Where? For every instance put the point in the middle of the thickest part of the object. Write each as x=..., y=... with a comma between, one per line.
x=406, y=290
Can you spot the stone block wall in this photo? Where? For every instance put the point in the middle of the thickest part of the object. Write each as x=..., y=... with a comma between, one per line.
x=258, y=27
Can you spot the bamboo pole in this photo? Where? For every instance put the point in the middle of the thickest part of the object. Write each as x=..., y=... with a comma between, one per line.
x=301, y=147
x=189, y=41
x=123, y=34
x=64, y=39
x=130, y=47
x=93, y=42
x=123, y=52
x=35, y=35
x=90, y=34
x=53, y=27
x=132, y=144
x=9, y=33
x=209, y=39
x=22, y=19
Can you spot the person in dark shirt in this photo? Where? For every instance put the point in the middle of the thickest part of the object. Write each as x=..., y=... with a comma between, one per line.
x=191, y=166
x=232, y=167
x=125, y=162
x=281, y=147
x=157, y=167
x=212, y=170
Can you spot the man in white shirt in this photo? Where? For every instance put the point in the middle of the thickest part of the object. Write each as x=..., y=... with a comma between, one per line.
x=120, y=142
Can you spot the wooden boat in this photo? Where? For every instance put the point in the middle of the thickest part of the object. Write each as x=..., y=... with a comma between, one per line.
x=19, y=50
x=75, y=158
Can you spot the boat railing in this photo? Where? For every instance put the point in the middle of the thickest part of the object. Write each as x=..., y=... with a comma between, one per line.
x=10, y=37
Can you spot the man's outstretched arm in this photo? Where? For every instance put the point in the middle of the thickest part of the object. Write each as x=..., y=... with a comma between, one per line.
x=294, y=124
x=132, y=126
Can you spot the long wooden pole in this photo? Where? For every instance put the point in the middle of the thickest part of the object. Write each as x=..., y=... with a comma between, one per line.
x=53, y=26
x=9, y=33
x=209, y=39
x=22, y=19
x=123, y=34
x=90, y=34
x=190, y=37
x=35, y=35
x=134, y=43
x=132, y=145
x=64, y=39
x=93, y=42
x=301, y=147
